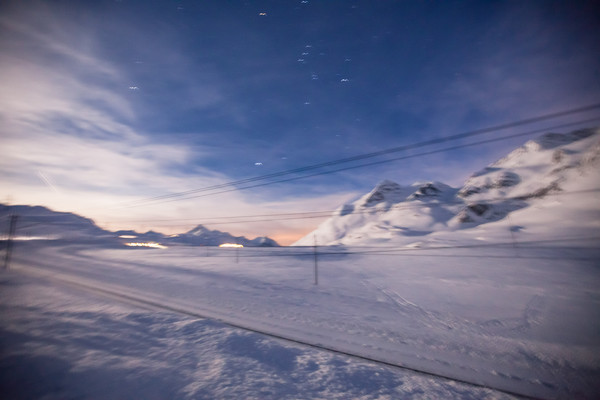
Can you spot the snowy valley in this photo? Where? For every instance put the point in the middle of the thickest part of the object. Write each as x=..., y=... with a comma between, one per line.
x=488, y=291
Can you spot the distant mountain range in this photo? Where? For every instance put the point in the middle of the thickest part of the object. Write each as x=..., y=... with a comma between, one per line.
x=202, y=235
x=41, y=223
x=547, y=188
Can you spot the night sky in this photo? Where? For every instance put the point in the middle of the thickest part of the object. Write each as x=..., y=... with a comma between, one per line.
x=106, y=103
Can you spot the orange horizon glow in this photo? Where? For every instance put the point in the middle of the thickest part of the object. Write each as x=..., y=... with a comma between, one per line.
x=288, y=238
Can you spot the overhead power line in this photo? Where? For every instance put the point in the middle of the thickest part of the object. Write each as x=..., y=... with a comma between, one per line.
x=439, y=140
x=362, y=211
x=377, y=153
x=195, y=193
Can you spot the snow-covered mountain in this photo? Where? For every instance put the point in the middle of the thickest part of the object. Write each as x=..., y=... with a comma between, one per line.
x=201, y=235
x=41, y=223
x=546, y=188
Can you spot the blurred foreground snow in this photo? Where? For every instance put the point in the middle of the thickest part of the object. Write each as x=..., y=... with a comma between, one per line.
x=528, y=324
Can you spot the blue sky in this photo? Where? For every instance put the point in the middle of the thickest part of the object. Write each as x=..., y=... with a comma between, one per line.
x=107, y=102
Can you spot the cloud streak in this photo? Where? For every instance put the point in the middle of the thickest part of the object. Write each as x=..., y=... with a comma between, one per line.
x=74, y=137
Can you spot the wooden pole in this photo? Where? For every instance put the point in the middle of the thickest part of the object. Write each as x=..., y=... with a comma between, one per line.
x=9, y=242
x=511, y=229
x=316, y=263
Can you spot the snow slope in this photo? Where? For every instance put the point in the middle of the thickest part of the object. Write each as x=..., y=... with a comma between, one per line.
x=61, y=342
x=525, y=322
x=544, y=189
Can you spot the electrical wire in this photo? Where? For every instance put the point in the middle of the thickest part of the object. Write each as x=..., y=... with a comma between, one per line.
x=354, y=166
x=369, y=155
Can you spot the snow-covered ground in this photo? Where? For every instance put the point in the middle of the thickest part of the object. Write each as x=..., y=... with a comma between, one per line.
x=86, y=322
x=61, y=343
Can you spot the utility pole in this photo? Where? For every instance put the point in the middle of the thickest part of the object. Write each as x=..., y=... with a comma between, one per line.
x=512, y=228
x=316, y=263
x=9, y=242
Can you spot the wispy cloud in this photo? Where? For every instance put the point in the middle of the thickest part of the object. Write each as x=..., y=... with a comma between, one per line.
x=75, y=138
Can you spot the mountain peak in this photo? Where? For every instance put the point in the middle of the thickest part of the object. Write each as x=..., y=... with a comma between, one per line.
x=385, y=191
x=201, y=235
x=430, y=191
x=198, y=230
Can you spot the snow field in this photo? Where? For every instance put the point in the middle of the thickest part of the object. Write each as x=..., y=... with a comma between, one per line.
x=61, y=342
x=526, y=324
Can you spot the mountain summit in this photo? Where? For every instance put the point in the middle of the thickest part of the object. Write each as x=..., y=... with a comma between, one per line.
x=201, y=235
x=545, y=188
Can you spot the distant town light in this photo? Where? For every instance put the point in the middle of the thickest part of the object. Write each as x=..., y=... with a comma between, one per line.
x=146, y=244
x=231, y=245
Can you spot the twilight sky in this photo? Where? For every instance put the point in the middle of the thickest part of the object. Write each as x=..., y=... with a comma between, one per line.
x=104, y=103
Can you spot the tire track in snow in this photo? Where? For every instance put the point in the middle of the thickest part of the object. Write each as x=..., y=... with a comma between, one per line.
x=146, y=302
